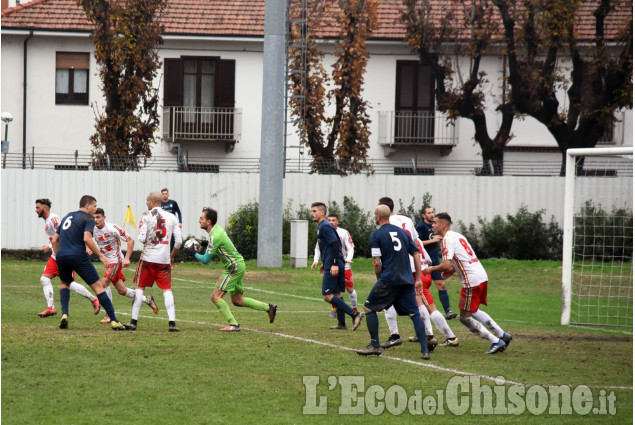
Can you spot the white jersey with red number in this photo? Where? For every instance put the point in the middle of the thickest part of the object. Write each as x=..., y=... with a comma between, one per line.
x=407, y=224
x=466, y=265
x=155, y=231
x=50, y=227
x=348, y=248
x=107, y=239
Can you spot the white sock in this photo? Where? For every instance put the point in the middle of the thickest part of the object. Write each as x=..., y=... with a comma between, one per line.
x=81, y=290
x=391, y=319
x=168, y=297
x=352, y=297
x=488, y=322
x=442, y=324
x=479, y=330
x=130, y=294
x=108, y=292
x=47, y=287
x=136, y=303
x=423, y=312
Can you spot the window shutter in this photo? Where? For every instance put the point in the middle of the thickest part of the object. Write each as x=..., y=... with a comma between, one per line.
x=173, y=83
x=225, y=83
x=72, y=60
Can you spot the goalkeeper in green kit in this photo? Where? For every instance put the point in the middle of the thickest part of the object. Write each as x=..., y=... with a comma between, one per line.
x=232, y=279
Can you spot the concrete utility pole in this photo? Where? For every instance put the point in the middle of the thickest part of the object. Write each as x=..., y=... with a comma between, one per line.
x=272, y=136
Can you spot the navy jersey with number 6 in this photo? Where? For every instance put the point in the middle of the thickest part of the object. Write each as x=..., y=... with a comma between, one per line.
x=394, y=246
x=71, y=231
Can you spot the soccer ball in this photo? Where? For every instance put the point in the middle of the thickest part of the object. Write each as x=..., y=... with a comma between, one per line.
x=192, y=246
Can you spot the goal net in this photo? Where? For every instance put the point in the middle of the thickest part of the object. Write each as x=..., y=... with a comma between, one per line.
x=597, y=260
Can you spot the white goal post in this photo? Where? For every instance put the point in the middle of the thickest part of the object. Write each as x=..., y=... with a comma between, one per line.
x=597, y=255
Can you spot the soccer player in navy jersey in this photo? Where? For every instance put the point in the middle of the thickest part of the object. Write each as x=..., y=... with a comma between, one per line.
x=431, y=244
x=333, y=281
x=171, y=206
x=74, y=234
x=391, y=248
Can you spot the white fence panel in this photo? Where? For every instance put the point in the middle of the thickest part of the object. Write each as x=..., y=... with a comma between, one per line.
x=465, y=198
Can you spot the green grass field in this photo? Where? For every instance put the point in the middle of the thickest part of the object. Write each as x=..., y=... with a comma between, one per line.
x=89, y=374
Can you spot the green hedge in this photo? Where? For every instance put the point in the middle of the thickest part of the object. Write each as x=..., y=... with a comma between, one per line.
x=524, y=235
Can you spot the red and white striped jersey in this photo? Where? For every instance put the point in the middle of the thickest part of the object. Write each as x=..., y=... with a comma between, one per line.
x=108, y=240
x=466, y=265
x=50, y=227
x=348, y=248
x=407, y=224
x=155, y=231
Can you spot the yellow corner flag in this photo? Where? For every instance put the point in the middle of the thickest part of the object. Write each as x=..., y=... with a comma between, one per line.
x=129, y=218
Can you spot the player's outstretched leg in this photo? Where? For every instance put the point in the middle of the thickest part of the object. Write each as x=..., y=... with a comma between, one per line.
x=490, y=324
x=477, y=329
x=47, y=288
x=81, y=290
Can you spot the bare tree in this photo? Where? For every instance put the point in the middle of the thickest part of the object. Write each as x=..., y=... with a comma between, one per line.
x=339, y=143
x=546, y=55
x=466, y=30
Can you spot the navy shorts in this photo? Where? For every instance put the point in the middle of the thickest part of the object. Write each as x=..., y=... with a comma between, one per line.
x=402, y=297
x=333, y=284
x=82, y=266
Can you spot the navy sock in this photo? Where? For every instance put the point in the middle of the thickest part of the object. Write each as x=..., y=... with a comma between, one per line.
x=107, y=305
x=445, y=299
x=341, y=316
x=340, y=304
x=373, y=328
x=420, y=330
x=65, y=297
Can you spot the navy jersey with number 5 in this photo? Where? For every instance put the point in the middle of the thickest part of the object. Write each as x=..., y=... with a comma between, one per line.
x=394, y=246
x=71, y=231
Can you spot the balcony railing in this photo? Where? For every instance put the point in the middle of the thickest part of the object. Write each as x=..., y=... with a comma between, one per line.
x=189, y=123
x=416, y=128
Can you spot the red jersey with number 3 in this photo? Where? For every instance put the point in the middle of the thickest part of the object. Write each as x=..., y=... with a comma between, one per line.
x=466, y=265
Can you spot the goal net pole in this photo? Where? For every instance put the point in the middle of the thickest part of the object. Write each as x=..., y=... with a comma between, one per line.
x=567, y=238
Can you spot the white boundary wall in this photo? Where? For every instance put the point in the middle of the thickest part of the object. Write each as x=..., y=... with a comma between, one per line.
x=465, y=198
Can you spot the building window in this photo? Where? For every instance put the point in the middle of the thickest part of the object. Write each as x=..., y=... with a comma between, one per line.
x=198, y=98
x=199, y=82
x=414, y=103
x=71, y=78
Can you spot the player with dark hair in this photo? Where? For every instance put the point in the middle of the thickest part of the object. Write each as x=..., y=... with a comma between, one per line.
x=431, y=244
x=172, y=207
x=51, y=223
x=108, y=238
x=333, y=280
x=74, y=234
x=459, y=257
x=406, y=224
x=348, y=250
x=156, y=230
x=232, y=279
x=391, y=248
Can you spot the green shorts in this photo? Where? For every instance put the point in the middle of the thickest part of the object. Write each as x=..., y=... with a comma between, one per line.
x=232, y=282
